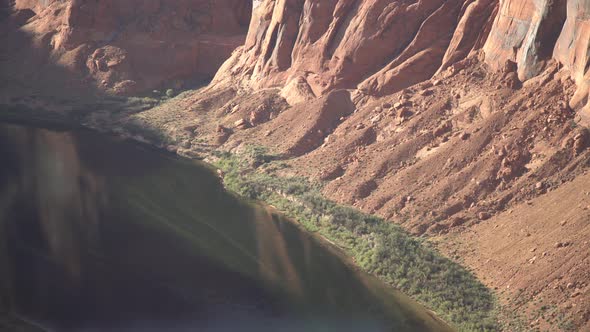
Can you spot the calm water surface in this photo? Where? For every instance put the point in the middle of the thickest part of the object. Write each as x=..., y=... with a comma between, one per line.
x=99, y=234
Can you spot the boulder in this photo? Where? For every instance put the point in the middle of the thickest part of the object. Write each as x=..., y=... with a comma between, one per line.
x=404, y=113
x=242, y=124
x=581, y=141
x=484, y=215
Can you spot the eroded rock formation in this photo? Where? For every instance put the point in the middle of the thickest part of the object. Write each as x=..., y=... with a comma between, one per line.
x=378, y=46
x=532, y=32
x=381, y=47
x=126, y=47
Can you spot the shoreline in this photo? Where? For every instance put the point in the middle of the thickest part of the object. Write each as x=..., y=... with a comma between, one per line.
x=288, y=205
x=348, y=259
x=245, y=180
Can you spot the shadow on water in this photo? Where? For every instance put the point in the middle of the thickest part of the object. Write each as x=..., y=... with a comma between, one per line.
x=105, y=235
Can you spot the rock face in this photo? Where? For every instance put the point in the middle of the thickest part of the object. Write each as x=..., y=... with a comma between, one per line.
x=525, y=32
x=529, y=32
x=130, y=46
x=376, y=46
x=532, y=32
x=379, y=46
x=572, y=50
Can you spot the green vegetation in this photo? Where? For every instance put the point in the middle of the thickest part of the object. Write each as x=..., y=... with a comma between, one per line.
x=151, y=134
x=565, y=324
x=381, y=248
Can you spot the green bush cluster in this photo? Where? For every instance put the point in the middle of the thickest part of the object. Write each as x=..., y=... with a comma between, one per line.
x=379, y=247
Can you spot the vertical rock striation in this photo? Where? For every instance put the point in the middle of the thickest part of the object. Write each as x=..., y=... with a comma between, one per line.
x=378, y=46
x=381, y=47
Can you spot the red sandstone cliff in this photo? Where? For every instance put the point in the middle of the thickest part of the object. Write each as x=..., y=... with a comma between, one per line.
x=381, y=47
x=126, y=47
x=377, y=46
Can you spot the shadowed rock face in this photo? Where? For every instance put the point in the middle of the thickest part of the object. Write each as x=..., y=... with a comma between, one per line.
x=125, y=47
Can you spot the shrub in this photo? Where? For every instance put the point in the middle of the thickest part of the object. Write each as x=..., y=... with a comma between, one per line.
x=379, y=247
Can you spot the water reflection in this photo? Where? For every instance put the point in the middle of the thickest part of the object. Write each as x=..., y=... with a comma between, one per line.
x=104, y=235
x=68, y=196
x=275, y=263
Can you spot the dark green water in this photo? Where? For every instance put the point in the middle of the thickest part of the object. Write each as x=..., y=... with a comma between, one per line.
x=99, y=234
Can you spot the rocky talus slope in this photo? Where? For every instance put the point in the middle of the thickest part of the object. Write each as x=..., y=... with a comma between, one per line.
x=447, y=117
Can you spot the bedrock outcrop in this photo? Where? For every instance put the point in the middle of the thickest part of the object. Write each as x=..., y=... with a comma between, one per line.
x=126, y=47
x=380, y=47
x=529, y=33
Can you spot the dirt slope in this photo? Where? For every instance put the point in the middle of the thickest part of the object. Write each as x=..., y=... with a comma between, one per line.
x=536, y=255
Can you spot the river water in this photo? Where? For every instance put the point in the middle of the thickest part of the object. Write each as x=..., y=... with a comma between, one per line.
x=101, y=234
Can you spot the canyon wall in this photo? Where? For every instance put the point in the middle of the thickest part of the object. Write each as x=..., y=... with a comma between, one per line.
x=127, y=47
x=531, y=32
x=419, y=74
x=380, y=47
x=376, y=46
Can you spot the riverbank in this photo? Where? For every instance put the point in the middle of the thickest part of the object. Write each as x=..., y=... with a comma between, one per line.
x=378, y=247
x=179, y=200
